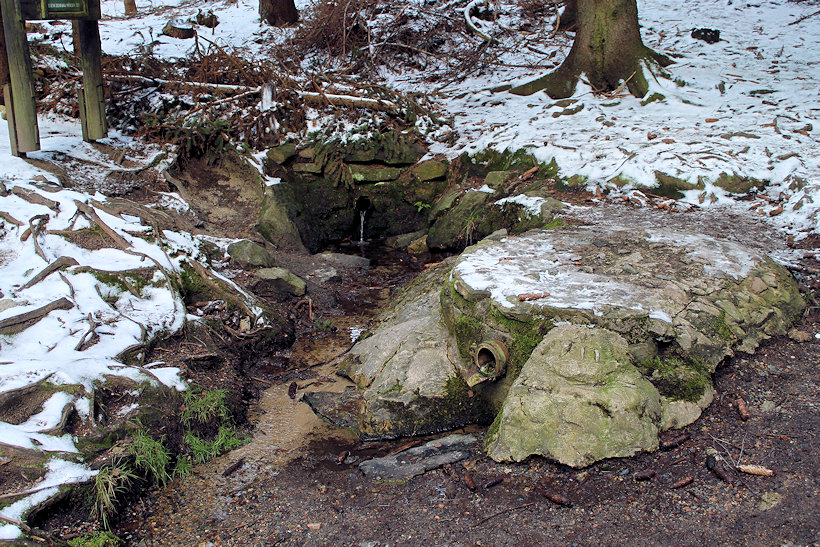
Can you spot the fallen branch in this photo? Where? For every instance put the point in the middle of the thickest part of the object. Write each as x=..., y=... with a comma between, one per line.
x=801, y=19
x=92, y=215
x=35, y=198
x=468, y=20
x=12, y=323
x=60, y=263
x=89, y=334
x=310, y=97
x=10, y=219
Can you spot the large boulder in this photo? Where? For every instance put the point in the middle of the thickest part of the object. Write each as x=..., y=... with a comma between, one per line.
x=577, y=400
x=588, y=340
x=407, y=371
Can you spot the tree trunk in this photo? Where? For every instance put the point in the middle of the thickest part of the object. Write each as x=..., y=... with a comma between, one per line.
x=278, y=12
x=569, y=18
x=607, y=49
x=4, y=62
x=130, y=7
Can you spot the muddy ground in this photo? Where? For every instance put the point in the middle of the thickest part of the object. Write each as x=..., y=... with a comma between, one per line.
x=298, y=481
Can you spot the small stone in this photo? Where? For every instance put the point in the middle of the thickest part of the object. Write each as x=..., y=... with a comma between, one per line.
x=282, y=153
x=345, y=260
x=314, y=525
x=324, y=275
x=418, y=246
x=800, y=336
x=309, y=167
x=374, y=173
x=767, y=406
x=497, y=179
x=758, y=285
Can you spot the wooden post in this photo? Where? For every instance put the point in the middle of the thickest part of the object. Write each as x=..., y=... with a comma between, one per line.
x=92, y=97
x=23, y=110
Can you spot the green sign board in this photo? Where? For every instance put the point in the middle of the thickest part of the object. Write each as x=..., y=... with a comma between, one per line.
x=60, y=9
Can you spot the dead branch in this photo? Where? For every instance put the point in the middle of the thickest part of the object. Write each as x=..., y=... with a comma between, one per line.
x=92, y=215
x=35, y=198
x=801, y=19
x=60, y=263
x=10, y=219
x=85, y=339
x=12, y=323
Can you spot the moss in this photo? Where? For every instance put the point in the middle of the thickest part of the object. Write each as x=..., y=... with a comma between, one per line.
x=554, y=223
x=677, y=378
x=652, y=98
x=124, y=281
x=95, y=539
x=395, y=388
x=493, y=429
x=193, y=287
x=721, y=327
x=468, y=331
x=525, y=336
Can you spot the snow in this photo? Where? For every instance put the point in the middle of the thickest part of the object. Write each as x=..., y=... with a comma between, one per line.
x=532, y=204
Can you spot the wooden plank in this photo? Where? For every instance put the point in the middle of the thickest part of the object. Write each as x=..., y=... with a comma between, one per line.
x=22, y=79
x=92, y=109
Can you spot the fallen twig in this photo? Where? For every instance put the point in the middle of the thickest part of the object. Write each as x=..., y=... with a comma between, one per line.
x=801, y=19
x=504, y=512
x=62, y=262
x=233, y=467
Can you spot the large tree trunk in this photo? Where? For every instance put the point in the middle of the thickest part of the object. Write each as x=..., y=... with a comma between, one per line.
x=607, y=49
x=569, y=17
x=278, y=12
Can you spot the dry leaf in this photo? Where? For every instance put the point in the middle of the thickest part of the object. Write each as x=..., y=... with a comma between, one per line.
x=712, y=120
x=524, y=297
x=667, y=141
x=756, y=470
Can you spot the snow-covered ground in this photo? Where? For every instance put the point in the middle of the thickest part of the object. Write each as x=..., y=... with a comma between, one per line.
x=748, y=107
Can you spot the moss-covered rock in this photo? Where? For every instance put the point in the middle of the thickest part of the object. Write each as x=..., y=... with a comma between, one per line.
x=429, y=170
x=577, y=400
x=247, y=254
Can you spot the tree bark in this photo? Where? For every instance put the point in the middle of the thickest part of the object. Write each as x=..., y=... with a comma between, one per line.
x=4, y=62
x=278, y=12
x=130, y=7
x=607, y=49
x=569, y=18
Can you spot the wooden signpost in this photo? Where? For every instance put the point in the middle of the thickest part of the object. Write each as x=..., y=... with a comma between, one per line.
x=18, y=91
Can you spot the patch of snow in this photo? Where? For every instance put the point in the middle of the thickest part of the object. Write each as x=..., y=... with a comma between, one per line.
x=531, y=204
